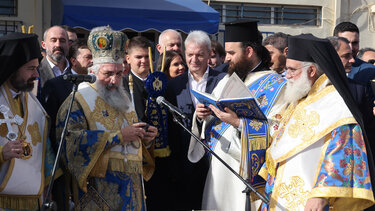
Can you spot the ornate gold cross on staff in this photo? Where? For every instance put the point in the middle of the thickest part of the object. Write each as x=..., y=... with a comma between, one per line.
x=12, y=136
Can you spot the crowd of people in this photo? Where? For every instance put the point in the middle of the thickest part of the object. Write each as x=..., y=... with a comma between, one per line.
x=123, y=151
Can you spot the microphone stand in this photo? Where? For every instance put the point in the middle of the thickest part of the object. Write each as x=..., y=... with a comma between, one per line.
x=248, y=189
x=50, y=204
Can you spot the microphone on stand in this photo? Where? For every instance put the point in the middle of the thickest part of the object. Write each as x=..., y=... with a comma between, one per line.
x=161, y=100
x=79, y=78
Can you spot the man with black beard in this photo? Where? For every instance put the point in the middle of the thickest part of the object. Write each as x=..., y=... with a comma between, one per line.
x=241, y=142
x=25, y=153
x=107, y=149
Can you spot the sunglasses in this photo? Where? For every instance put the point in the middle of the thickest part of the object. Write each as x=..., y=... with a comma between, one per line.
x=371, y=61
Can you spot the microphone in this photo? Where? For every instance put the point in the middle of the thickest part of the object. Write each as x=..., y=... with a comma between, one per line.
x=79, y=78
x=161, y=100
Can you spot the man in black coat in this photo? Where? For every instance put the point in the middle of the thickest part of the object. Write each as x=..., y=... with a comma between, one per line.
x=138, y=59
x=56, y=90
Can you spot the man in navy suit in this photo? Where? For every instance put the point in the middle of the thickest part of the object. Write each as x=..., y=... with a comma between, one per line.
x=190, y=177
x=361, y=93
x=361, y=72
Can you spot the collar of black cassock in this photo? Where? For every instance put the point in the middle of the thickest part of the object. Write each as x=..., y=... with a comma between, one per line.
x=306, y=47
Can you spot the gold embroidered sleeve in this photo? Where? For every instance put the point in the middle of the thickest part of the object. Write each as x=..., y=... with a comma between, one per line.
x=85, y=146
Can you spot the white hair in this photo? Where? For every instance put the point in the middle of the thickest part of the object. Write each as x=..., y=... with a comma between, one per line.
x=319, y=71
x=200, y=38
x=162, y=35
x=299, y=88
x=116, y=98
x=94, y=68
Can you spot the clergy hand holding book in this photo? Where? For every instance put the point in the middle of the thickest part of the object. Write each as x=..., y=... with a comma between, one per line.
x=235, y=101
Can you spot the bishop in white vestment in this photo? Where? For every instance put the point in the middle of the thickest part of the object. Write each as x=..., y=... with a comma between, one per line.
x=318, y=158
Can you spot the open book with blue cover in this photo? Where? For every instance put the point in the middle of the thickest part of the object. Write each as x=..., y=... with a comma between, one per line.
x=236, y=96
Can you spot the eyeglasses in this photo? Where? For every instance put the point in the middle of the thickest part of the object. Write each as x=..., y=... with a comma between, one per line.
x=371, y=61
x=110, y=74
x=293, y=71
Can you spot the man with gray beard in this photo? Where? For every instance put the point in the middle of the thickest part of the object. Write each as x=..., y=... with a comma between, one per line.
x=318, y=158
x=56, y=43
x=107, y=150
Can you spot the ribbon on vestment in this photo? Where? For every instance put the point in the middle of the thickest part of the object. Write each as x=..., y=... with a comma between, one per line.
x=156, y=85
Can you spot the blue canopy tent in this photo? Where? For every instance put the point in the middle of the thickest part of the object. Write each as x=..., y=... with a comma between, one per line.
x=141, y=15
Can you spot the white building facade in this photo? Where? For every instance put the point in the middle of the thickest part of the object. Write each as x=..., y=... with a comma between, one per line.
x=318, y=17
x=293, y=17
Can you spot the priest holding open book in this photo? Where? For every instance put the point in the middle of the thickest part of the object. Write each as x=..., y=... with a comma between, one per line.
x=239, y=138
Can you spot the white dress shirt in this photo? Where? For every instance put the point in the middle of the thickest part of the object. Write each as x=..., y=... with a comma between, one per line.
x=56, y=70
x=142, y=79
x=200, y=86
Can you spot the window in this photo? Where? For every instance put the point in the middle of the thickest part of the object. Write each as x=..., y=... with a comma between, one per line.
x=269, y=14
x=8, y=7
x=9, y=26
x=303, y=16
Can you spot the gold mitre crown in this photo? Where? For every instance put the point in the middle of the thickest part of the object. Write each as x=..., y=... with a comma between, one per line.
x=106, y=45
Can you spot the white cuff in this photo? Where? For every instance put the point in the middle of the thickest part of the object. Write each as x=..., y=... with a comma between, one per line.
x=241, y=125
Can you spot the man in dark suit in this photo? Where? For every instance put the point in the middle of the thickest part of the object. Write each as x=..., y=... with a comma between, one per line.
x=56, y=43
x=190, y=177
x=361, y=72
x=56, y=90
x=138, y=59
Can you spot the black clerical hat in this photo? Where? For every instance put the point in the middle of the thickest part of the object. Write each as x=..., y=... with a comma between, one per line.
x=242, y=31
x=299, y=47
x=17, y=49
x=308, y=48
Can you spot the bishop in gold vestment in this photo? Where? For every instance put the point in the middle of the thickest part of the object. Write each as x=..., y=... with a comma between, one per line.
x=107, y=150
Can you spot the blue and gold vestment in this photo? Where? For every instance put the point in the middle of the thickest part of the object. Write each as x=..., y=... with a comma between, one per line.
x=96, y=155
x=318, y=151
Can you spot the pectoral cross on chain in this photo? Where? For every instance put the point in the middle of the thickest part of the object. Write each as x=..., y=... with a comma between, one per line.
x=8, y=121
